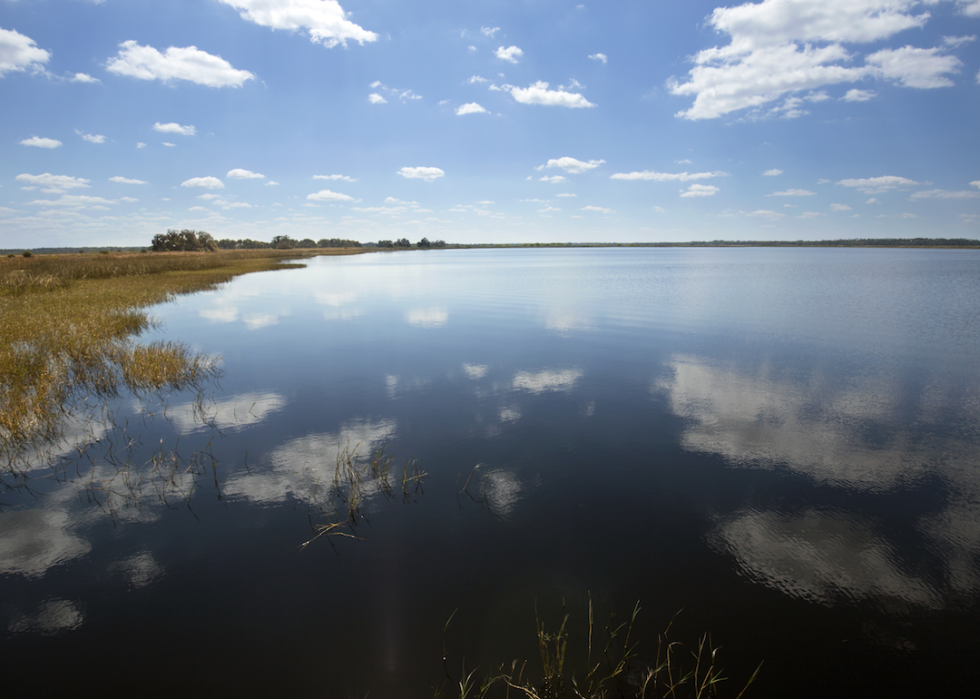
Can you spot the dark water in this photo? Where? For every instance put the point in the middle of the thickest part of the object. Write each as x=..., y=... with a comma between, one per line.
x=782, y=443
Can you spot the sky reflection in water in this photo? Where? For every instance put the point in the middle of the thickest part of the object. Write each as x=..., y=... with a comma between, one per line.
x=788, y=435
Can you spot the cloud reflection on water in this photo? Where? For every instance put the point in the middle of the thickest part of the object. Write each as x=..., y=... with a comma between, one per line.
x=855, y=436
x=546, y=380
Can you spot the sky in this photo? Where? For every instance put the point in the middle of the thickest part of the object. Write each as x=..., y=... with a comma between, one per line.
x=488, y=121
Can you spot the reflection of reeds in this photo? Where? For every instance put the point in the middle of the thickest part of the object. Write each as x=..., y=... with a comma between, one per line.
x=354, y=480
x=66, y=334
x=676, y=672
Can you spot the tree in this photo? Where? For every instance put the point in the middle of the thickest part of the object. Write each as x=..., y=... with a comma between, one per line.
x=306, y=243
x=185, y=240
x=403, y=243
x=283, y=242
x=424, y=243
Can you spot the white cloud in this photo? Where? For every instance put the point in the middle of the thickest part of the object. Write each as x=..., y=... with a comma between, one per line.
x=975, y=184
x=125, y=180
x=510, y=54
x=766, y=214
x=91, y=138
x=571, y=165
x=128, y=200
x=191, y=64
x=548, y=209
x=568, y=195
x=810, y=214
x=429, y=174
x=872, y=200
x=175, y=128
x=83, y=78
x=205, y=182
x=488, y=31
x=72, y=200
x=39, y=142
x=772, y=173
x=324, y=20
x=600, y=57
x=793, y=193
x=912, y=67
x=240, y=174
x=554, y=179
x=700, y=190
x=140, y=144
x=856, y=95
x=538, y=93
x=327, y=195
x=53, y=184
x=781, y=46
x=470, y=108
x=667, y=176
x=375, y=98
x=598, y=209
x=945, y=194
x=271, y=183
x=20, y=53
x=955, y=41
x=546, y=380
x=879, y=185
x=839, y=207
x=971, y=8
x=169, y=145
x=345, y=178
x=475, y=80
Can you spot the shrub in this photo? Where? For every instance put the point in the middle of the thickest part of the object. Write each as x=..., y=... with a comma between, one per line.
x=27, y=253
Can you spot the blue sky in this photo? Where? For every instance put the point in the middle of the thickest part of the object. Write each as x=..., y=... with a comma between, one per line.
x=488, y=121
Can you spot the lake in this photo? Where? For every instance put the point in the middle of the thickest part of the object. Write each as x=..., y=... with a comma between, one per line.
x=782, y=445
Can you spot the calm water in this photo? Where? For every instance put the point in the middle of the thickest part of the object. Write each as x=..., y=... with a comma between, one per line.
x=782, y=443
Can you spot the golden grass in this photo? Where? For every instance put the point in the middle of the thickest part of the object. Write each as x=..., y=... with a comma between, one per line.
x=68, y=323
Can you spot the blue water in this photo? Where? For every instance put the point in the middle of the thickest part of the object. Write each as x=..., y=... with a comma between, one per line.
x=781, y=442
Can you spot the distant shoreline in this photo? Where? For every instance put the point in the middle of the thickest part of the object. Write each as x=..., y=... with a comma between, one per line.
x=937, y=243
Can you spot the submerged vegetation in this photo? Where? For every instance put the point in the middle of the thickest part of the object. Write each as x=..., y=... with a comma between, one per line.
x=66, y=341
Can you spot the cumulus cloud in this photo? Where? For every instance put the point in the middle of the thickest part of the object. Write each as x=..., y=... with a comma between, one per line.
x=554, y=179
x=345, y=178
x=598, y=209
x=190, y=64
x=324, y=20
x=839, y=207
x=783, y=46
x=39, y=142
x=53, y=184
x=667, y=176
x=19, y=53
x=476, y=80
x=429, y=174
x=240, y=174
x=912, y=67
x=83, y=78
x=470, y=108
x=772, y=173
x=510, y=54
x=74, y=200
x=375, y=98
x=489, y=31
x=700, y=190
x=567, y=195
x=175, y=128
x=125, y=180
x=91, y=138
x=880, y=185
x=793, y=193
x=601, y=57
x=538, y=93
x=205, y=182
x=571, y=165
x=856, y=95
x=327, y=195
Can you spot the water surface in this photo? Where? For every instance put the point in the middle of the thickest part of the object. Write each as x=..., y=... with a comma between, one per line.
x=783, y=443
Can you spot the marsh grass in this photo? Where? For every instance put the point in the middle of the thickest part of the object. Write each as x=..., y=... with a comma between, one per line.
x=67, y=331
x=676, y=671
x=354, y=481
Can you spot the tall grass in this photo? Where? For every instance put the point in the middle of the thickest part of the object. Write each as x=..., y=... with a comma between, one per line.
x=618, y=669
x=67, y=330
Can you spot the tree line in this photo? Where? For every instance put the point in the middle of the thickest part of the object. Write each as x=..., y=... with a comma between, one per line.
x=201, y=241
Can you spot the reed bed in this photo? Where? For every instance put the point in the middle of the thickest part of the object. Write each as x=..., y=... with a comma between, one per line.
x=68, y=325
x=616, y=669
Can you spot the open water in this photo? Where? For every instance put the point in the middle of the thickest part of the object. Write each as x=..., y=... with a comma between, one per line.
x=782, y=443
